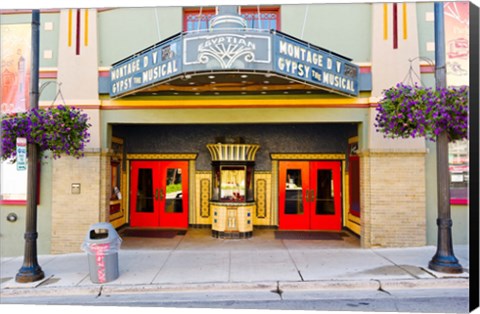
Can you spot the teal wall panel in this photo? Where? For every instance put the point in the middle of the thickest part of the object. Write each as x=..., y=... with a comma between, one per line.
x=48, y=38
x=344, y=29
x=123, y=32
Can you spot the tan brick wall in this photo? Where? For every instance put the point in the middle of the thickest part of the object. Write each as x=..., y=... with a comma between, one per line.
x=393, y=204
x=72, y=214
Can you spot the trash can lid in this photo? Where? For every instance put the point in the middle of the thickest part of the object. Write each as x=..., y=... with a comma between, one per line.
x=107, y=233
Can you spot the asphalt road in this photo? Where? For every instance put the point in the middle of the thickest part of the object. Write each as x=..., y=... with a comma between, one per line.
x=414, y=300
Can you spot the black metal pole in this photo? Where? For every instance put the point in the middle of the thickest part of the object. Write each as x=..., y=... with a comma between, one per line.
x=444, y=260
x=31, y=270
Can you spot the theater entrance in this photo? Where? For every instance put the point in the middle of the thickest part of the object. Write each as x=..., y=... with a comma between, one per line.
x=310, y=195
x=159, y=194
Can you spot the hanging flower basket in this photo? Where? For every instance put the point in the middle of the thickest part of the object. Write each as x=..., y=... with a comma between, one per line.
x=413, y=111
x=62, y=130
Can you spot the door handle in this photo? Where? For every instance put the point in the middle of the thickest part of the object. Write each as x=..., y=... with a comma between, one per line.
x=156, y=194
x=312, y=195
x=162, y=195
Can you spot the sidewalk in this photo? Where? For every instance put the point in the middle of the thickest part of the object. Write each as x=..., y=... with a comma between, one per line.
x=197, y=261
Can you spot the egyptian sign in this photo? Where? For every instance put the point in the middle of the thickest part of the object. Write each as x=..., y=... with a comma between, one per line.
x=227, y=51
x=234, y=51
x=154, y=64
x=315, y=66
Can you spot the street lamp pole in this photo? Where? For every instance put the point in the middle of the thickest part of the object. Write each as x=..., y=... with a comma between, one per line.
x=444, y=260
x=31, y=270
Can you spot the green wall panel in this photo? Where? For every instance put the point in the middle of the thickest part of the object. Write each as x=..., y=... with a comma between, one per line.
x=123, y=32
x=341, y=28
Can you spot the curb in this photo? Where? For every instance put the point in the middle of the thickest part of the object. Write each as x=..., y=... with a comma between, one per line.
x=373, y=285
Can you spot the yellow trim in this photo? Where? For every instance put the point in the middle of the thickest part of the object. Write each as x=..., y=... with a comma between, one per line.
x=300, y=156
x=352, y=140
x=239, y=102
x=162, y=156
x=385, y=21
x=86, y=27
x=404, y=21
x=69, y=27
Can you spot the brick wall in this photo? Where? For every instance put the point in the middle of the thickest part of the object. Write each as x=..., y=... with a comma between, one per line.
x=393, y=198
x=72, y=214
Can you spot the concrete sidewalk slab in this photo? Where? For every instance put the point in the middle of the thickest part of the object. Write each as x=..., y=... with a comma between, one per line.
x=195, y=267
x=419, y=257
x=271, y=265
x=344, y=264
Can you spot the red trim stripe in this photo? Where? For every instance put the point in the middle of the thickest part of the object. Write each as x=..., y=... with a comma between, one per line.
x=395, y=26
x=78, y=33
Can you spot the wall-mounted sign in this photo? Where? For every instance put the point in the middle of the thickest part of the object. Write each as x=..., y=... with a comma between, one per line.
x=148, y=67
x=227, y=51
x=21, y=153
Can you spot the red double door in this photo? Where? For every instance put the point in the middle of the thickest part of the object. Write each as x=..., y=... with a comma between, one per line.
x=310, y=195
x=159, y=194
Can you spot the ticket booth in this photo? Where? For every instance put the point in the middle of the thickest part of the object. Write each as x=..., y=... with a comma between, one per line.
x=232, y=202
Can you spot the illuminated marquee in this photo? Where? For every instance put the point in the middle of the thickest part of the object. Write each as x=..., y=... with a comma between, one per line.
x=232, y=51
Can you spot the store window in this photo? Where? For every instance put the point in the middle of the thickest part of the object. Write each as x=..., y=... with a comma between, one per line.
x=458, y=163
x=256, y=17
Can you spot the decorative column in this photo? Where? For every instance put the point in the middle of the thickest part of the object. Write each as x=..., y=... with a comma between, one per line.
x=392, y=171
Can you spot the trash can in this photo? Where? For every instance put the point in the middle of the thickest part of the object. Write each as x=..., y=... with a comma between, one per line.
x=102, y=244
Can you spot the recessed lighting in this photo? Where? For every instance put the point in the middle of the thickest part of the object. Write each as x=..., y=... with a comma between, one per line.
x=212, y=82
x=187, y=77
x=197, y=94
x=285, y=92
x=217, y=93
x=191, y=83
x=175, y=93
x=244, y=93
x=243, y=76
x=211, y=77
x=154, y=94
x=266, y=82
x=309, y=92
x=264, y=93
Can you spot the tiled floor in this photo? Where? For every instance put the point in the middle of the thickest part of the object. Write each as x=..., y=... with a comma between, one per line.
x=198, y=239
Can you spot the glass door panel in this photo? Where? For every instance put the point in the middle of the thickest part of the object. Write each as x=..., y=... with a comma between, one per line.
x=145, y=191
x=324, y=204
x=294, y=193
x=174, y=191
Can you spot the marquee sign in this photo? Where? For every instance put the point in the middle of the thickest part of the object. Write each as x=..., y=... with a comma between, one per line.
x=227, y=51
x=315, y=66
x=148, y=67
x=233, y=51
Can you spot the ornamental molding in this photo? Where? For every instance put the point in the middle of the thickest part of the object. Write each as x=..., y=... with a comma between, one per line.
x=163, y=156
x=307, y=156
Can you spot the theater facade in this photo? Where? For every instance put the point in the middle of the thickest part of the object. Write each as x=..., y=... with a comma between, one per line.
x=236, y=119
